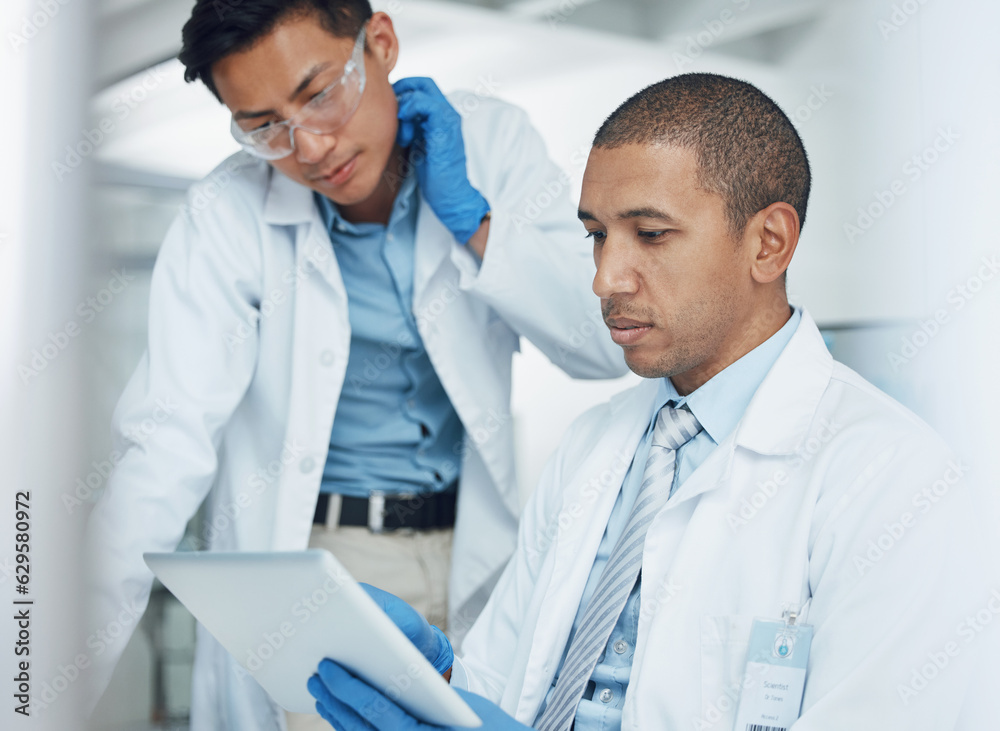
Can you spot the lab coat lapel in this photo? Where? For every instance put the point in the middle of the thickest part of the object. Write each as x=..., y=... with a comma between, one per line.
x=778, y=417
x=431, y=248
x=588, y=498
x=314, y=393
x=291, y=204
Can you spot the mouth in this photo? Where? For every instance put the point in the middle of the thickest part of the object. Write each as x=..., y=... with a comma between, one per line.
x=340, y=174
x=627, y=332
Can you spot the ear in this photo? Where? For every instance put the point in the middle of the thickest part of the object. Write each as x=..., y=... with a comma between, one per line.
x=773, y=234
x=381, y=41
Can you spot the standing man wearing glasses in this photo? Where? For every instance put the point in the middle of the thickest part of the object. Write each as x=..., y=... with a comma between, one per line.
x=332, y=322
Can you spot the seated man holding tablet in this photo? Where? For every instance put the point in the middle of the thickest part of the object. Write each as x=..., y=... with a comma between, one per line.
x=694, y=195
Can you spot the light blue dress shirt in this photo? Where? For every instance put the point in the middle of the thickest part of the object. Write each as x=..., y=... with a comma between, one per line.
x=395, y=428
x=718, y=405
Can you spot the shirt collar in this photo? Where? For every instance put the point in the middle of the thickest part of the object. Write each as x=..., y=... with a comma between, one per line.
x=720, y=403
x=335, y=222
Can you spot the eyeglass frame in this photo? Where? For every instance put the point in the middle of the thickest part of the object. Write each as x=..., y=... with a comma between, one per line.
x=355, y=62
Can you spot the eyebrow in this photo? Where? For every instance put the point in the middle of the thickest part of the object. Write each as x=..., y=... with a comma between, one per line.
x=634, y=213
x=309, y=78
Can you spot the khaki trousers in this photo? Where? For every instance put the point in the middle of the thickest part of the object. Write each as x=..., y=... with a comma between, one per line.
x=413, y=565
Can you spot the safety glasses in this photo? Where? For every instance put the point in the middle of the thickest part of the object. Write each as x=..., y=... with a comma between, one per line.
x=322, y=115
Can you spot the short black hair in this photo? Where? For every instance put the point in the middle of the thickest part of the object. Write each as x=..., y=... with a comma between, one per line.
x=218, y=28
x=748, y=150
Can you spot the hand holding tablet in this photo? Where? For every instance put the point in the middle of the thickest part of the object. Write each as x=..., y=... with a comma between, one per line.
x=281, y=613
x=350, y=704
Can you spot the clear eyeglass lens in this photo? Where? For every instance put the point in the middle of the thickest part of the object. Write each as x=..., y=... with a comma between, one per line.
x=335, y=107
x=322, y=116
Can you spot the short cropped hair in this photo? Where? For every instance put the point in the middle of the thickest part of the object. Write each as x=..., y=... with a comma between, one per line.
x=747, y=149
x=218, y=28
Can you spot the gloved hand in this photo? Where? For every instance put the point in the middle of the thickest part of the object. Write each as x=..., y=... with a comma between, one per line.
x=431, y=127
x=428, y=639
x=350, y=704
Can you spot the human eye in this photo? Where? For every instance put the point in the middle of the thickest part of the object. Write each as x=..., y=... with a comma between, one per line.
x=597, y=236
x=654, y=236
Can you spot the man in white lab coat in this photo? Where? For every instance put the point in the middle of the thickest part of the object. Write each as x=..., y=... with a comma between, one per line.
x=751, y=477
x=332, y=322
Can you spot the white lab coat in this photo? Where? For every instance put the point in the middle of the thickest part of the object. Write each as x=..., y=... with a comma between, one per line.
x=248, y=344
x=781, y=512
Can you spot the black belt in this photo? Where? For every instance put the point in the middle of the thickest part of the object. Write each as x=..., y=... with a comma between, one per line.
x=380, y=512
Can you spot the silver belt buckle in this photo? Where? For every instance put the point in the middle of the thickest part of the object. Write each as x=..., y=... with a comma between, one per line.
x=376, y=511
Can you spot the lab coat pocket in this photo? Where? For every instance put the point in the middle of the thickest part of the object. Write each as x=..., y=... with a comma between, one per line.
x=724, y=642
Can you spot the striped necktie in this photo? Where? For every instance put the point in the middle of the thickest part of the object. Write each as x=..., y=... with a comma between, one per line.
x=674, y=427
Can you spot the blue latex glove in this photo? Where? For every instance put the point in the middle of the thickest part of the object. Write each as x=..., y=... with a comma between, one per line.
x=432, y=129
x=350, y=704
x=428, y=639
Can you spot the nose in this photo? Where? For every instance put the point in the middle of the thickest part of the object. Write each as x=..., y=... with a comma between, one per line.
x=616, y=269
x=311, y=148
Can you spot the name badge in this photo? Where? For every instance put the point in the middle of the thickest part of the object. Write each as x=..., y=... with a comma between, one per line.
x=774, y=678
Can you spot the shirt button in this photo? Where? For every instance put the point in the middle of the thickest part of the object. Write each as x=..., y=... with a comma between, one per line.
x=621, y=646
x=606, y=695
x=326, y=358
x=389, y=237
x=307, y=464
x=410, y=403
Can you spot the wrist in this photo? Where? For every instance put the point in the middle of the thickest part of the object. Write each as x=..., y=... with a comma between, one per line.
x=473, y=220
x=445, y=654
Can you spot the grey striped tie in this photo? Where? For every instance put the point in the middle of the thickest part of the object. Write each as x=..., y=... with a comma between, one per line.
x=674, y=427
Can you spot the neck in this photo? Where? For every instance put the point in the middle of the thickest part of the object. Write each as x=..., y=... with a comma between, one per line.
x=377, y=207
x=764, y=322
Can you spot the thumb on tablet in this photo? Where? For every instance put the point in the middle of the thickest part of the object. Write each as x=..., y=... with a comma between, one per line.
x=430, y=640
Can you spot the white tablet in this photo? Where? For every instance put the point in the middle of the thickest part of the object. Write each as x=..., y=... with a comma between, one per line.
x=280, y=613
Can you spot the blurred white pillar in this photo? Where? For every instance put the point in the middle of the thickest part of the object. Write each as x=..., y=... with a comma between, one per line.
x=44, y=85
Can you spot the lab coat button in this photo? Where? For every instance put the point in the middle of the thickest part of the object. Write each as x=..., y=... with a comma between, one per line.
x=607, y=695
x=621, y=646
x=326, y=358
x=307, y=464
